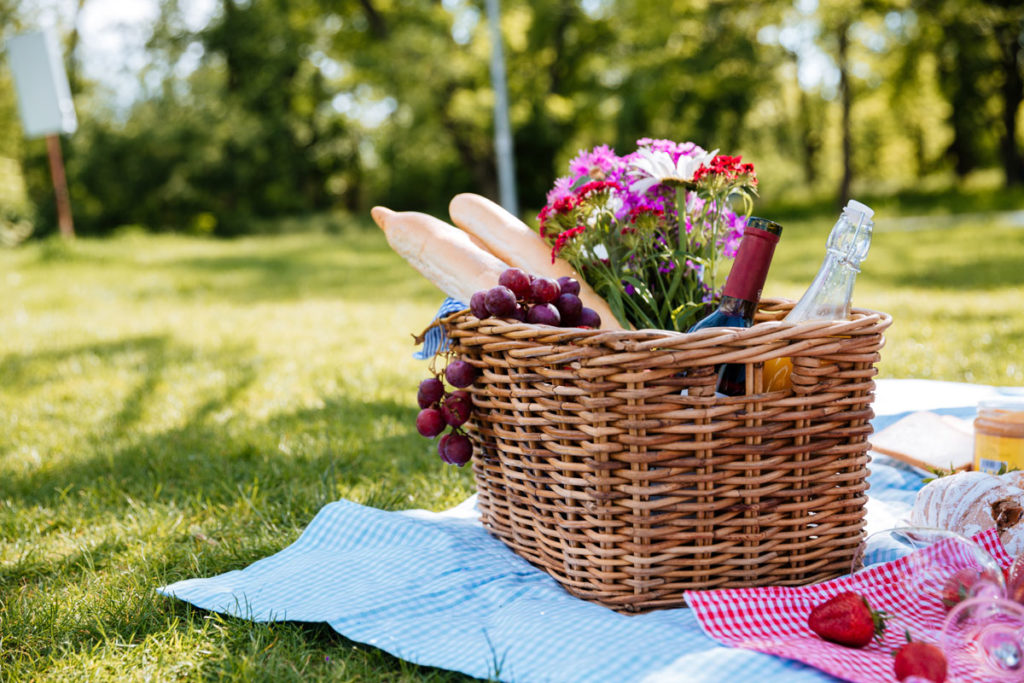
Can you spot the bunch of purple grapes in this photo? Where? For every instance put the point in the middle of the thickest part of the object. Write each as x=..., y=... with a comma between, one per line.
x=441, y=409
x=538, y=300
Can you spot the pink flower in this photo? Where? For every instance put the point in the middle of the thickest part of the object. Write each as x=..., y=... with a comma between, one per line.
x=730, y=241
x=563, y=187
x=599, y=163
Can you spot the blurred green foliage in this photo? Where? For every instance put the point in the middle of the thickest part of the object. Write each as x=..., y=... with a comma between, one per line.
x=282, y=107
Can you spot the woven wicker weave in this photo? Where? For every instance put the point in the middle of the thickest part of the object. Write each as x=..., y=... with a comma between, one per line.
x=593, y=463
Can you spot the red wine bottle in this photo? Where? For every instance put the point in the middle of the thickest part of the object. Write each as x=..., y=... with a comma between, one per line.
x=741, y=294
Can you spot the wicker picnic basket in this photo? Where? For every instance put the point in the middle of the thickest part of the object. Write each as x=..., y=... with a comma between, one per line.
x=606, y=459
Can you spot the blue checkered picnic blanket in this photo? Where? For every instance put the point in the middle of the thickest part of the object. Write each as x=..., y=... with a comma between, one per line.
x=438, y=590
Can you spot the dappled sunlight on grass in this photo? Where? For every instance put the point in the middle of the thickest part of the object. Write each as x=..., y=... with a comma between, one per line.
x=172, y=407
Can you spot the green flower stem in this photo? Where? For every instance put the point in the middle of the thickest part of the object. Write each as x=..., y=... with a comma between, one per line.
x=716, y=225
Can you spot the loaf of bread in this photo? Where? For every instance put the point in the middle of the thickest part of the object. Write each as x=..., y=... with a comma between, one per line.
x=515, y=243
x=971, y=502
x=441, y=252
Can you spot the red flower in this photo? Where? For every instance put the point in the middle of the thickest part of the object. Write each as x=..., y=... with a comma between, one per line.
x=563, y=238
x=727, y=167
x=562, y=205
x=636, y=212
x=597, y=186
x=542, y=218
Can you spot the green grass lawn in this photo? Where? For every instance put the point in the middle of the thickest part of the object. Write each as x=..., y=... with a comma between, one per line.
x=174, y=407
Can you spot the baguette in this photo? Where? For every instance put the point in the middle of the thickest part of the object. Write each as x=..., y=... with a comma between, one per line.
x=440, y=252
x=514, y=242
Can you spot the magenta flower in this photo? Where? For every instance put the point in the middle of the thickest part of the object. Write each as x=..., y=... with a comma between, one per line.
x=599, y=163
x=562, y=189
x=730, y=241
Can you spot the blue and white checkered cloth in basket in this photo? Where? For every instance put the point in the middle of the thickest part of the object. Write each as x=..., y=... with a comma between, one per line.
x=438, y=590
x=435, y=339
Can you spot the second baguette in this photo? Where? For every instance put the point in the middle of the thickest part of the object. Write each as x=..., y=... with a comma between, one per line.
x=514, y=242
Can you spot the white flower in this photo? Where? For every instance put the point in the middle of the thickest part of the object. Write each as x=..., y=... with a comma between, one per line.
x=656, y=167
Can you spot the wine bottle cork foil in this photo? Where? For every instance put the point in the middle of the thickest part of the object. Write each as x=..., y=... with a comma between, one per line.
x=999, y=435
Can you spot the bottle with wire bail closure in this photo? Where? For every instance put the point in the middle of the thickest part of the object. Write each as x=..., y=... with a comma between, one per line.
x=830, y=293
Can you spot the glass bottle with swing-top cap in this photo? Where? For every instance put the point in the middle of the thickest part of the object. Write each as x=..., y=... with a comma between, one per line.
x=828, y=297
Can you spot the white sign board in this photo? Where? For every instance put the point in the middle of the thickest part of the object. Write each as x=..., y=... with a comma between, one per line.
x=44, y=98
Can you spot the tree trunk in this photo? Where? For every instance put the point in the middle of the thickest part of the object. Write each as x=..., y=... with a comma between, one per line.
x=920, y=153
x=377, y=24
x=962, y=64
x=559, y=66
x=1012, y=93
x=803, y=136
x=846, y=99
x=810, y=141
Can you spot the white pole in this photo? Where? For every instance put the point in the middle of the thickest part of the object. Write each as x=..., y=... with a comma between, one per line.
x=502, y=129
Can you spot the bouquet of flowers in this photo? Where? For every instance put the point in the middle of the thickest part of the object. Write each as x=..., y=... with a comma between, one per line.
x=648, y=231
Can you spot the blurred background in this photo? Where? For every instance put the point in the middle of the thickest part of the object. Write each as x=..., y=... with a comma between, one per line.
x=226, y=116
x=174, y=404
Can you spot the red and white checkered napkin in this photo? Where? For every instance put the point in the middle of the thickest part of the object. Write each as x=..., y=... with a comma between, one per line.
x=774, y=619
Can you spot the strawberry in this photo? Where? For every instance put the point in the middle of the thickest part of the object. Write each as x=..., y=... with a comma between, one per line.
x=922, y=660
x=958, y=587
x=847, y=619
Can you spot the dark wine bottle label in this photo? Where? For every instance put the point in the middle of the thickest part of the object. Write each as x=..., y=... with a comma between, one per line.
x=749, y=270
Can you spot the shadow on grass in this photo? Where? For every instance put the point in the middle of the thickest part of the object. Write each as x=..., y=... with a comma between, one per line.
x=356, y=266
x=39, y=367
x=234, y=475
x=993, y=272
x=208, y=462
x=215, y=463
x=370, y=272
x=907, y=202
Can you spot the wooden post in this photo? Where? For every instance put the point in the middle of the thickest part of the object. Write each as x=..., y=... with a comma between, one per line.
x=60, y=187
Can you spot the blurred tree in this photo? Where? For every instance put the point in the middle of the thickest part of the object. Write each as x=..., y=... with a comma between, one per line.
x=243, y=136
x=289, y=106
x=1008, y=28
x=10, y=127
x=691, y=70
x=17, y=216
x=980, y=49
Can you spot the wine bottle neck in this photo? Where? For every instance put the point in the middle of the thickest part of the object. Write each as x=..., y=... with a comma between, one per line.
x=754, y=256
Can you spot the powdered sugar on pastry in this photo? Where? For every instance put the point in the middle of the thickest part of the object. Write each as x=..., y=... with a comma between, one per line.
x=971, y=502
x=1015, y=478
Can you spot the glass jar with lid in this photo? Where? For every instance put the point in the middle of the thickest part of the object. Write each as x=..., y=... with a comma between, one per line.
x=999, y=435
